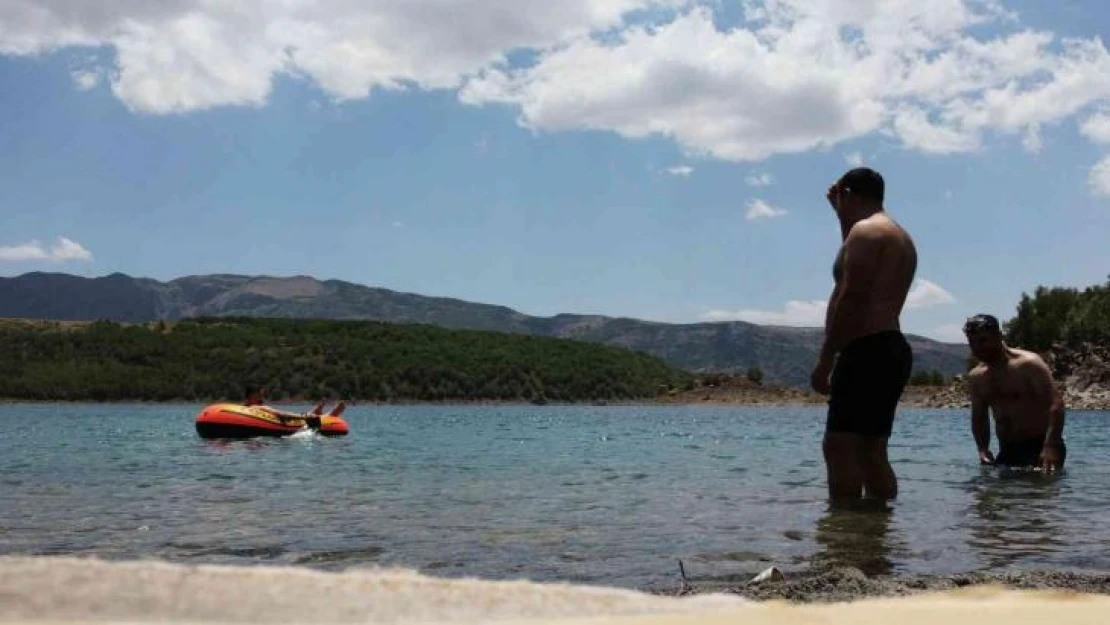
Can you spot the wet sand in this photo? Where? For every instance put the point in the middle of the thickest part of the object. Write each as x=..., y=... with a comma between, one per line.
x=850, y=584
x=49, y=590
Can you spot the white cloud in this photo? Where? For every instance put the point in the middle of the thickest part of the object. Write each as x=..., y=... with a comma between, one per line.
x=925, y=294
x=683, y=171
x=758, y=209
x=795, y=313
x=855, y=159
x=809, y=313
x=63, y=250
x=398, y=224
x=182, y=55
x=1097, y=127
x=759, y=180
x=1099, y=178
x=793, y=76
x=919, y=132
x=806, y=74
x=86, y=79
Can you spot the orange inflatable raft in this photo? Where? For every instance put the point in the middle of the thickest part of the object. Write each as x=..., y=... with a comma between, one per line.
x=238, y=421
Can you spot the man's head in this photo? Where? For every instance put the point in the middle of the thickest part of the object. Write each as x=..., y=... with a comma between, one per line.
x=255, y=395
x=860, y=190
x=984, y=337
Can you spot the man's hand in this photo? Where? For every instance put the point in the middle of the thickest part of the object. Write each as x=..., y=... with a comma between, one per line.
x=819, y=379
x=986, y=457
x=1050, y=458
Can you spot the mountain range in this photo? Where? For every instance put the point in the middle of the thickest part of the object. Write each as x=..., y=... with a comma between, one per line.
x=784, y=354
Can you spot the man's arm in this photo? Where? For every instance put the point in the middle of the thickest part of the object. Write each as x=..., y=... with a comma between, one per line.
x=1048, y=397
x=830, y=310
x=861, y=254
x=980, y=422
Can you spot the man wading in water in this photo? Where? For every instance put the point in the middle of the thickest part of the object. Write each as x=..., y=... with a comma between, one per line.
x=865, y=361
x=1017, y=387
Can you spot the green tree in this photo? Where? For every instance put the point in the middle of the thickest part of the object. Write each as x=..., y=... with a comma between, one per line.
x=755, y=374
x=208, y=359
x=1060, y=315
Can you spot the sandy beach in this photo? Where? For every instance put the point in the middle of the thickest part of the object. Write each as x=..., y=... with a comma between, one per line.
x=56, y=590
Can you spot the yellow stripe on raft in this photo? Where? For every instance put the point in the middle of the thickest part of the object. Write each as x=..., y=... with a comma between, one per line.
x=259, y=412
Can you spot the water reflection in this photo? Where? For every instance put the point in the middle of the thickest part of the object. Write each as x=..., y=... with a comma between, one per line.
x=1014, y=515
x=855, y=535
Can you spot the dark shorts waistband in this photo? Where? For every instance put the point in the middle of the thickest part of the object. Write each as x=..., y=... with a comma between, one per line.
x=876, y=338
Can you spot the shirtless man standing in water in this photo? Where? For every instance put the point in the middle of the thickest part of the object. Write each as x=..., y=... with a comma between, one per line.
x=1017, y=387
x=865, y=361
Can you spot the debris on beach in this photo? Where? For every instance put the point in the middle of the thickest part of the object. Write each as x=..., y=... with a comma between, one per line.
x=771, y=574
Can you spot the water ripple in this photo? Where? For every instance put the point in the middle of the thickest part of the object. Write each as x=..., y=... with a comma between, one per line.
x=610, y=494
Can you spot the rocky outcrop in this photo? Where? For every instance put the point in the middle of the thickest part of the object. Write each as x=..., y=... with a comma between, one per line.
x=1083, y=373
x=724, y=388
x=955, y=395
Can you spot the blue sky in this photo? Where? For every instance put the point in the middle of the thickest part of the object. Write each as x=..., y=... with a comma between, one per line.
x=661, y=160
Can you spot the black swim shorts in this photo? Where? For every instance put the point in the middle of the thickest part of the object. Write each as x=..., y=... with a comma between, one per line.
x=867, y=382
x=1025, y=453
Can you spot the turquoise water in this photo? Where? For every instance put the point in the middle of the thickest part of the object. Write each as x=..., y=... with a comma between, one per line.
x=610, y=495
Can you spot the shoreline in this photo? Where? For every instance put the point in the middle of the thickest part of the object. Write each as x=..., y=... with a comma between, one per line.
x=913, y=397
x=850, y=584
x=772, y=400
x=41, y=589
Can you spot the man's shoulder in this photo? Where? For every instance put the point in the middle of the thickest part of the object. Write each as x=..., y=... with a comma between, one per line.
x=867, y=233
x=878, y=227
x=1026, y=359
x=1020, y=356
x=977, y=373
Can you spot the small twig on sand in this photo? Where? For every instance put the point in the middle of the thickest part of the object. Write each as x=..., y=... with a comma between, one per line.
x=685, y=584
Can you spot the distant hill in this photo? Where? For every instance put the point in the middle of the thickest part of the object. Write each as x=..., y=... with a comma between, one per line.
x=213, y=358
x=785, y=354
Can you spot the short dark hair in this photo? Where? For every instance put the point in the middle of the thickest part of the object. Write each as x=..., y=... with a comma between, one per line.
x=864, y=182
x=982, y=323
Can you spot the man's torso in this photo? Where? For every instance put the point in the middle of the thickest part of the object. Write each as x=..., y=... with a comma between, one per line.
x=896, y=268
x=1006, y=388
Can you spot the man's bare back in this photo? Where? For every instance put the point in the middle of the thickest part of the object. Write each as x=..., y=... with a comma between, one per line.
x=1016, y=387
x=892, y=256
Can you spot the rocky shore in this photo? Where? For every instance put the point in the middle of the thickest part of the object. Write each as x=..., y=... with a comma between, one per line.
x=850, y=584
x=1084, y=373
x=738, y=389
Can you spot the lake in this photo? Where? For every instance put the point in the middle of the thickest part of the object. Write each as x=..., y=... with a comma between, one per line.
x=612, y=495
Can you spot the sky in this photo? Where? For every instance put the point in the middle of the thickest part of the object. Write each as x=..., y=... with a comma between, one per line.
x=658, y=159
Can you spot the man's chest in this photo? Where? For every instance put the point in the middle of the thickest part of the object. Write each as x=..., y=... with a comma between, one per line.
x=1005, y=386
